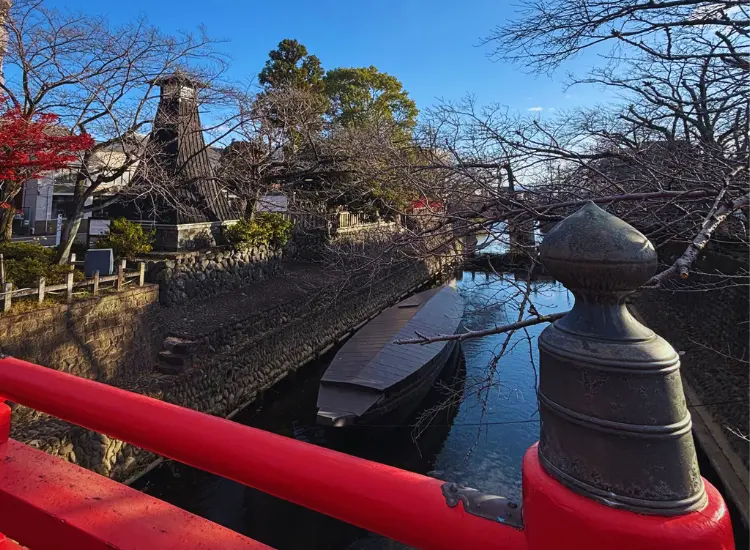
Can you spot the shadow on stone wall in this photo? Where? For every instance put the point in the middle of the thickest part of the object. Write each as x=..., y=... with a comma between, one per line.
x=234, y=362
x=706, y=319
x=110, y=339
x=187, y=276
x=104, y=338
x=242, y=353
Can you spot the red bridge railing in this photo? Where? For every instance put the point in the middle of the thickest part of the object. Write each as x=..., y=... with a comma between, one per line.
x=398, y=504
x=39, y=502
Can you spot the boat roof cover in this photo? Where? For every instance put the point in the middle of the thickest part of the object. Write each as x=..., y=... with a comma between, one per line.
x=372, y=360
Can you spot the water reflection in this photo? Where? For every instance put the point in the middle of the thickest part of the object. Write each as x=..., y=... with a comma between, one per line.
x=493, y=242
x=497, y=420
x=477, y=443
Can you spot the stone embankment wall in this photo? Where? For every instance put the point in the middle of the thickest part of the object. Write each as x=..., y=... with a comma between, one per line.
x=110, y=338
x=231, y=363
x=315, y=245
x=186, y=276
x=104, y=338
x=190, y=275
x=251, y=355
x=706, y=320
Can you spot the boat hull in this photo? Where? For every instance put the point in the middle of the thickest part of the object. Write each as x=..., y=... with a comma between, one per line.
x=373, y=380
x=396, y=409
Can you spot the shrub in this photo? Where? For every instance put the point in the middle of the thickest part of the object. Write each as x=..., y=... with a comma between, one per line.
x=27, y=251
x=202, y=240
x=26, y=273
x=266, y=228
x=127, y=239
x=25, y=263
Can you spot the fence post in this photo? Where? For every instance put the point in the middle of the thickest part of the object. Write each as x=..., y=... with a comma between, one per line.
x=141, y=273
x=42, y=286
x=96, y=282
x=121, y=275
x=2, y=269
x=615, y=427
x=69, y=288
x=8, y=298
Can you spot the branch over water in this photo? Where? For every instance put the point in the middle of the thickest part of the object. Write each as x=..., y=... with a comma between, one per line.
x=422, y=339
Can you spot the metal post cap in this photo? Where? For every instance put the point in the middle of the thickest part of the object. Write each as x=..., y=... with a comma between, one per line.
x=598, y=252
x=614, y=423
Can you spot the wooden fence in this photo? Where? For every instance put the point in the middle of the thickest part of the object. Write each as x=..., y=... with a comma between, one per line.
x=307, y=220
x=119, y=280
x=336, y=222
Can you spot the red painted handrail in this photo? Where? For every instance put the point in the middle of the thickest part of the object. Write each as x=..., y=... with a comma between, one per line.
x=7, y=544
x=395, y=503
x=49, y=504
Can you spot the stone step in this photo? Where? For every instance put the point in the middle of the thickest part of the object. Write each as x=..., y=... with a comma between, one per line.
x=166, y=368
x=171, y=358
x=179, y=345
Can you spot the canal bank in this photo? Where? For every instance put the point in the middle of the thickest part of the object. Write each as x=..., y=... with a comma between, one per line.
x=479, y=443
x=221, y=352
x=477, y=440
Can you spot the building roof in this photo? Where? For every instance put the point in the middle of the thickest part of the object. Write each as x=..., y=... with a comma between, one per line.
x=179, y=158
x=178, y=77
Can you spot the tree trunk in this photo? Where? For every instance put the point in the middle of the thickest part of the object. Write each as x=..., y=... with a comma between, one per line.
x=10, y=190
x=511, y=178
x=68, y=236
x=250, y=209
x=70, y=228
x=6, y=224
x=4, y=9
x=251, y=205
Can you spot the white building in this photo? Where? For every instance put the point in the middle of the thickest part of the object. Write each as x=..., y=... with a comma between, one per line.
x=43, y=199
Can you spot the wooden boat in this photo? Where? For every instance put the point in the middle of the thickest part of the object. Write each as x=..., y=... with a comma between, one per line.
x=373, y=380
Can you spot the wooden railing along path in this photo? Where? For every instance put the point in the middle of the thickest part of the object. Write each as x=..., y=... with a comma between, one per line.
x=120, y=279
x=337, y=222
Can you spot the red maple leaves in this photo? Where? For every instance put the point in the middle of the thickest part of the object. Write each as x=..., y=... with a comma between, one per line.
x=32, y=145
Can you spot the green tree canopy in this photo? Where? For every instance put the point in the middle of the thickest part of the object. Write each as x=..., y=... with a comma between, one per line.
x=365, y=95
x=290, y=66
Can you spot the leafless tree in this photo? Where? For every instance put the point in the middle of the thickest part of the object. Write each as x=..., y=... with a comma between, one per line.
x=276, y=145
x=98, y=78
x=670, y=156
x=549, y=32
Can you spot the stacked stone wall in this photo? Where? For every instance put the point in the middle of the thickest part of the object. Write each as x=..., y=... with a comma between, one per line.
x=706, y=319
x=187, y=276
x=104, y=338
x=109, y=339
x=237, y=362
x=232, y=364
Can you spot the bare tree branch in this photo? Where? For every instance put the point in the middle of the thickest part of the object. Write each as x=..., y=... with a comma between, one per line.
x=423, y=339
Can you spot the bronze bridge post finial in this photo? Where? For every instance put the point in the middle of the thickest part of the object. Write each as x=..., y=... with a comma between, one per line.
x=614, y=422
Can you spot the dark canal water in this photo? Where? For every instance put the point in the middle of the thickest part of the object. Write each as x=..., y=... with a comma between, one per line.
x=478, y=442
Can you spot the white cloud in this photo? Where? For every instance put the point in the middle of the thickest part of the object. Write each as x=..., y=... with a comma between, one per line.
x=550, y=108
x=535, y=109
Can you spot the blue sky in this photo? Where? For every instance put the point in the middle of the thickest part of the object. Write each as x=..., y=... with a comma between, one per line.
x=433, y=47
